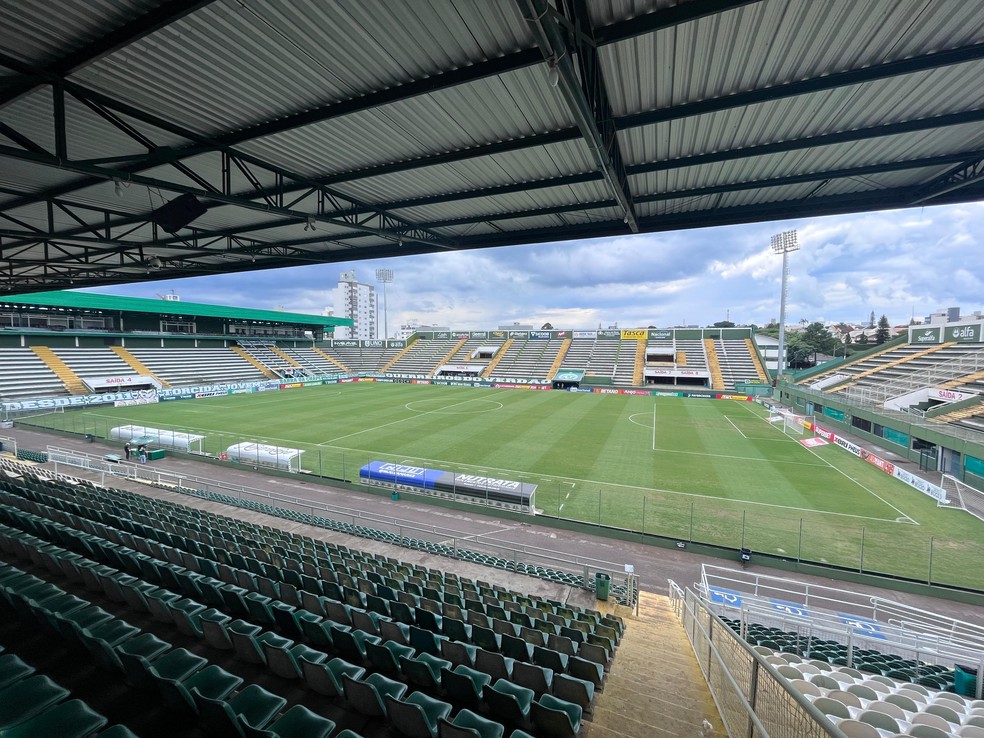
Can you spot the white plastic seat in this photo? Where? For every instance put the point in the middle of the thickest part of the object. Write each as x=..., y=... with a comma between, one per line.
x=857, y=729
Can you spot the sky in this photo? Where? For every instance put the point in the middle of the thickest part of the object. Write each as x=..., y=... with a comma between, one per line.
x=900, y=263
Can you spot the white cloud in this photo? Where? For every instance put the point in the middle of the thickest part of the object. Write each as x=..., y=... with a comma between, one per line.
x=896, y=262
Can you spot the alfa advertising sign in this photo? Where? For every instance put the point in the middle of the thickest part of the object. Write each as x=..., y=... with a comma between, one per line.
x=963, y=333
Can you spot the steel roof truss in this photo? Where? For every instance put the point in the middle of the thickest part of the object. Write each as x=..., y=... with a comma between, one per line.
x=582, y=88
x=966, y=173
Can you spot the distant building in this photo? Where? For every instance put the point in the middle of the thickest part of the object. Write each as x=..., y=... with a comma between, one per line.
x=519, y=327
x=943, y=315
x=408, y=329
x=352, y=299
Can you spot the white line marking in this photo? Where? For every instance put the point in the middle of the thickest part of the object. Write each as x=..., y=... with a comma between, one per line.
x=403, y=420
x=845, y=474
x=735, y=427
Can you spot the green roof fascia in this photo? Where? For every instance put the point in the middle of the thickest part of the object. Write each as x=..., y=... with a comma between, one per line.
x=97, y=301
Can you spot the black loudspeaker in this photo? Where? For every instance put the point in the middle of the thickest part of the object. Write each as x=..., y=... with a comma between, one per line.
x=178, y=213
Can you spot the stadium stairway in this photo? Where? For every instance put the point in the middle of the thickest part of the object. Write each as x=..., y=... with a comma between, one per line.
x=497, y=358
x=640, y=364
x=73, y=383
x=267, y=372
x=757, y=361
x=717, y=379
x=138, y=366
x=555, y=367
x=655, y=688
x=332, y=359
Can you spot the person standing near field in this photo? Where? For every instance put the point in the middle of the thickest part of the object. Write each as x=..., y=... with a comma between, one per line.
x=126, y=451
x=142, y=452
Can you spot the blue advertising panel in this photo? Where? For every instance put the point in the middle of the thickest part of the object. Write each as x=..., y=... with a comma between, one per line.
x=401, y=474
x=724, y=596
x=789, y=608
x=862, y=626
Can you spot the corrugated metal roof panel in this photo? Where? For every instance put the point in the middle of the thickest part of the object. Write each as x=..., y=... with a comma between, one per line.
x=683, y=64
x=293, y=56
x=500, y=108
x=528, y=165
x=516, y=202
x=911, y=97
x=40, y=33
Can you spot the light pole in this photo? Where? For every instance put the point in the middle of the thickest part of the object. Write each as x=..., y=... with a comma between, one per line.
x=783, y=243
x=385, y=276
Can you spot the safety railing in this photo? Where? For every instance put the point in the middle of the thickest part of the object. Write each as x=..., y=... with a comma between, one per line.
x=753, y=699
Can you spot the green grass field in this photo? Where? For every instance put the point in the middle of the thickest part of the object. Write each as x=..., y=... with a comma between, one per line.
x=720, y=473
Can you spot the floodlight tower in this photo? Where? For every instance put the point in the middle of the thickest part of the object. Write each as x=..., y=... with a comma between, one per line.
x=385, y=276
x=783, y=243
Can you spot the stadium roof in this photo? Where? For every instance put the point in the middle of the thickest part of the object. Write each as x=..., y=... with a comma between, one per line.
x=93, y=301
x=331, y=131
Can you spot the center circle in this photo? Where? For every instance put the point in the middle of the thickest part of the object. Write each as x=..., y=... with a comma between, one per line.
x=460, y=409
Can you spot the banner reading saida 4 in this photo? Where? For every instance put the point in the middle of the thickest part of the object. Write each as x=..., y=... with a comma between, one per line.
x=635, y=334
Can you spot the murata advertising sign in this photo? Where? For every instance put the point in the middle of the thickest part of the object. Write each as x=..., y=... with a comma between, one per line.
x=925, y=335
x=635, y=334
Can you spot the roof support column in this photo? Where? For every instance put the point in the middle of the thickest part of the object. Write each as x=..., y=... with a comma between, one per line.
x=564, y=40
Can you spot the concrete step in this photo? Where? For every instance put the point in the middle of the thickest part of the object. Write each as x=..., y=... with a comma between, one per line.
x=655, y=687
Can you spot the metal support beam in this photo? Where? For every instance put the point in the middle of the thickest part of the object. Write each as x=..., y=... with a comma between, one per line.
x=573, y=65
x=966, y=173
x=103, y=174
x=130, y=32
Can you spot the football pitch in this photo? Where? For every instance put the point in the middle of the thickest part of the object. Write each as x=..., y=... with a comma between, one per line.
x=720, y=473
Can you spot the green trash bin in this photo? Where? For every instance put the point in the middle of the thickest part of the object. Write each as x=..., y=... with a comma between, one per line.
x=603, y=585
x=396, y=495
x=154, y=454
x=964, y=680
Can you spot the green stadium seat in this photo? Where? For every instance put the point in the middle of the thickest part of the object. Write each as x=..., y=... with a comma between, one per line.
x=26, y=698
x=417, y=716
x=468, y=724
x=464, y=685
x=326, y=678
x=70, y=719
x=366, y=696
x=556, y=718
x=253, y=704
x=297, y=722
x=509, y=702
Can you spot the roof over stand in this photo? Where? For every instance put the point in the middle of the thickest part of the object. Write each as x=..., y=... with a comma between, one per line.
x=298, y=132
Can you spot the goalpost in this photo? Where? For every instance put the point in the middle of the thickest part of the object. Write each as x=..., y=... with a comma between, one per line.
x=793, y=424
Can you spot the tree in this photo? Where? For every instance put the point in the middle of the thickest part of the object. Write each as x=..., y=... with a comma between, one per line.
x=847, y=339
x=884, y=332
x=819, y=338
x=863, y=340
x=723, y=324
x=546, y=327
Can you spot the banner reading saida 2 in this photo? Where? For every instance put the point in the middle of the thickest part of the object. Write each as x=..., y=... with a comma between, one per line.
x=635, y=334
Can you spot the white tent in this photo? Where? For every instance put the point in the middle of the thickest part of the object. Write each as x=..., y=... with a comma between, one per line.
x=158, y=437
x=260, y=454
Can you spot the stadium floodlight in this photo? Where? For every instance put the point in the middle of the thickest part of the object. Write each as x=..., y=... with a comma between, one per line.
x=385, y=276
x=783, y=243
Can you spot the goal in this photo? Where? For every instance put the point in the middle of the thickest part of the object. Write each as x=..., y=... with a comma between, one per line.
x=793, y=424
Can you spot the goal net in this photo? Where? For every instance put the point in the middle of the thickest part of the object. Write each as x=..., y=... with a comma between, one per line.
x=793, y=424
x=961, y=496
